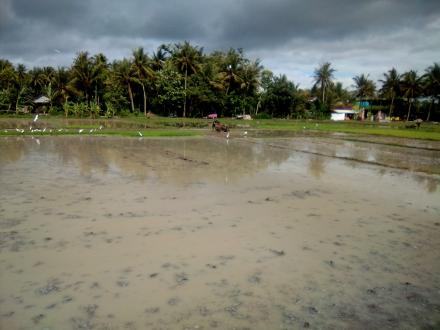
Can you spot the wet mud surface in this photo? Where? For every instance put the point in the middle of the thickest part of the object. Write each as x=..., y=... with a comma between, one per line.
x=204, y=233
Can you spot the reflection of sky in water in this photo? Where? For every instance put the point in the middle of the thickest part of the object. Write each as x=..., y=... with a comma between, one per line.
x=371, y=157
x=182, y=161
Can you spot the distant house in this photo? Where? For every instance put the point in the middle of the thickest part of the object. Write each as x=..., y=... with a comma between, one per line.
x=343, y=113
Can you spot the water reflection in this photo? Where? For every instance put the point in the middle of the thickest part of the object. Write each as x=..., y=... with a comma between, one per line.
x=179, y=160
x=89, y=226
x=199, y=159
x=316, y=166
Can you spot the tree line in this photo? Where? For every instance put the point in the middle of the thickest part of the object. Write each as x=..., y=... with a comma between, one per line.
x=182, y=80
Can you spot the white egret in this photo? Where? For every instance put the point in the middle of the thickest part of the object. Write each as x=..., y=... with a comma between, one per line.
x=227, y=135
x=80, y=130
x=140, y=134
x=36, y=118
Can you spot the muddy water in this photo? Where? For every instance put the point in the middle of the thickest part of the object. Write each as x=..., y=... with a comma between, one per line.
x=201, y=233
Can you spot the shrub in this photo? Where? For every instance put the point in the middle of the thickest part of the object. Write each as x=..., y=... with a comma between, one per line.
x=263, y=115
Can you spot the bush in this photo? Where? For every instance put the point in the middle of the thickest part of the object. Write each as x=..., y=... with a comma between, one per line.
x=94, y=110
x=111, y=110
x=81, y=110
x=68, y=108
x=54, y=110
x=263, y=115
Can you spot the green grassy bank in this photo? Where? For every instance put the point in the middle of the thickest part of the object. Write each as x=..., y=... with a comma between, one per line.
x=160, y=126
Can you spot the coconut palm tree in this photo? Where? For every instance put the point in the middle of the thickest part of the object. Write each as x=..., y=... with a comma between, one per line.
x=39, y=79
x=123, y=74
x=187, y=59
x=100, y=72
x=142, y=71
x=251, y=77
x=250, y=81
x=21, y=84
x=323, y=77
x=159, y=58
x=340, y=94
x=431, y=84
x=391, y=86
x=8, y=77
x=83, y=75
x=411, y=87
x=364, y=87
x=60, y=85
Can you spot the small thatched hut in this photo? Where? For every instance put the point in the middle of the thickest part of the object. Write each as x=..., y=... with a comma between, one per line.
x=41, y=104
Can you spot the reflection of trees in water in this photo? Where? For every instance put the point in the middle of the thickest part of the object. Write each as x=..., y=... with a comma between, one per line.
x=12, y=149
x=430, y=183
x=86, y=152
x=190, y=160
x=317, y=166
x=177, y=160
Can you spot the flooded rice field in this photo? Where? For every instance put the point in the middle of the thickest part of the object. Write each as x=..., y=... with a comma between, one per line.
x=205, y=233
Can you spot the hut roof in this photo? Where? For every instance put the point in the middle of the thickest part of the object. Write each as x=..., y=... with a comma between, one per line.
x=42, y=100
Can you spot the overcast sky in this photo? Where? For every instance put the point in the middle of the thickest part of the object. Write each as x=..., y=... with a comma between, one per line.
x=289, y=36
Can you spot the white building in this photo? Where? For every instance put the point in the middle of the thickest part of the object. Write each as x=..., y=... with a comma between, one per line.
x=343, y=114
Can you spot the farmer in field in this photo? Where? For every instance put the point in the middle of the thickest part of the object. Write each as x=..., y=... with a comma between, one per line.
x=219, y=127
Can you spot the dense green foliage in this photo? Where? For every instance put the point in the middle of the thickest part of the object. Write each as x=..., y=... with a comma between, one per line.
x=181, y=80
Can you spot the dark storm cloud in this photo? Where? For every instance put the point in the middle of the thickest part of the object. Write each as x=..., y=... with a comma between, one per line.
x=271, y=23
x=57, y=12
x=290, y=34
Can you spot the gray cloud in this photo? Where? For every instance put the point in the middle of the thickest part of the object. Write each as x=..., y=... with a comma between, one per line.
x=290, y=36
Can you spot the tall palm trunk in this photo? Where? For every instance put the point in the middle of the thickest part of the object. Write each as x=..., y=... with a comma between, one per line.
x=430, y=107
x=20, y=90
x=145, y=100
x=409, y=109
x=184, y=103
x=391, y=105
x=66, y=109
x=16, y=106
x=130, y=94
